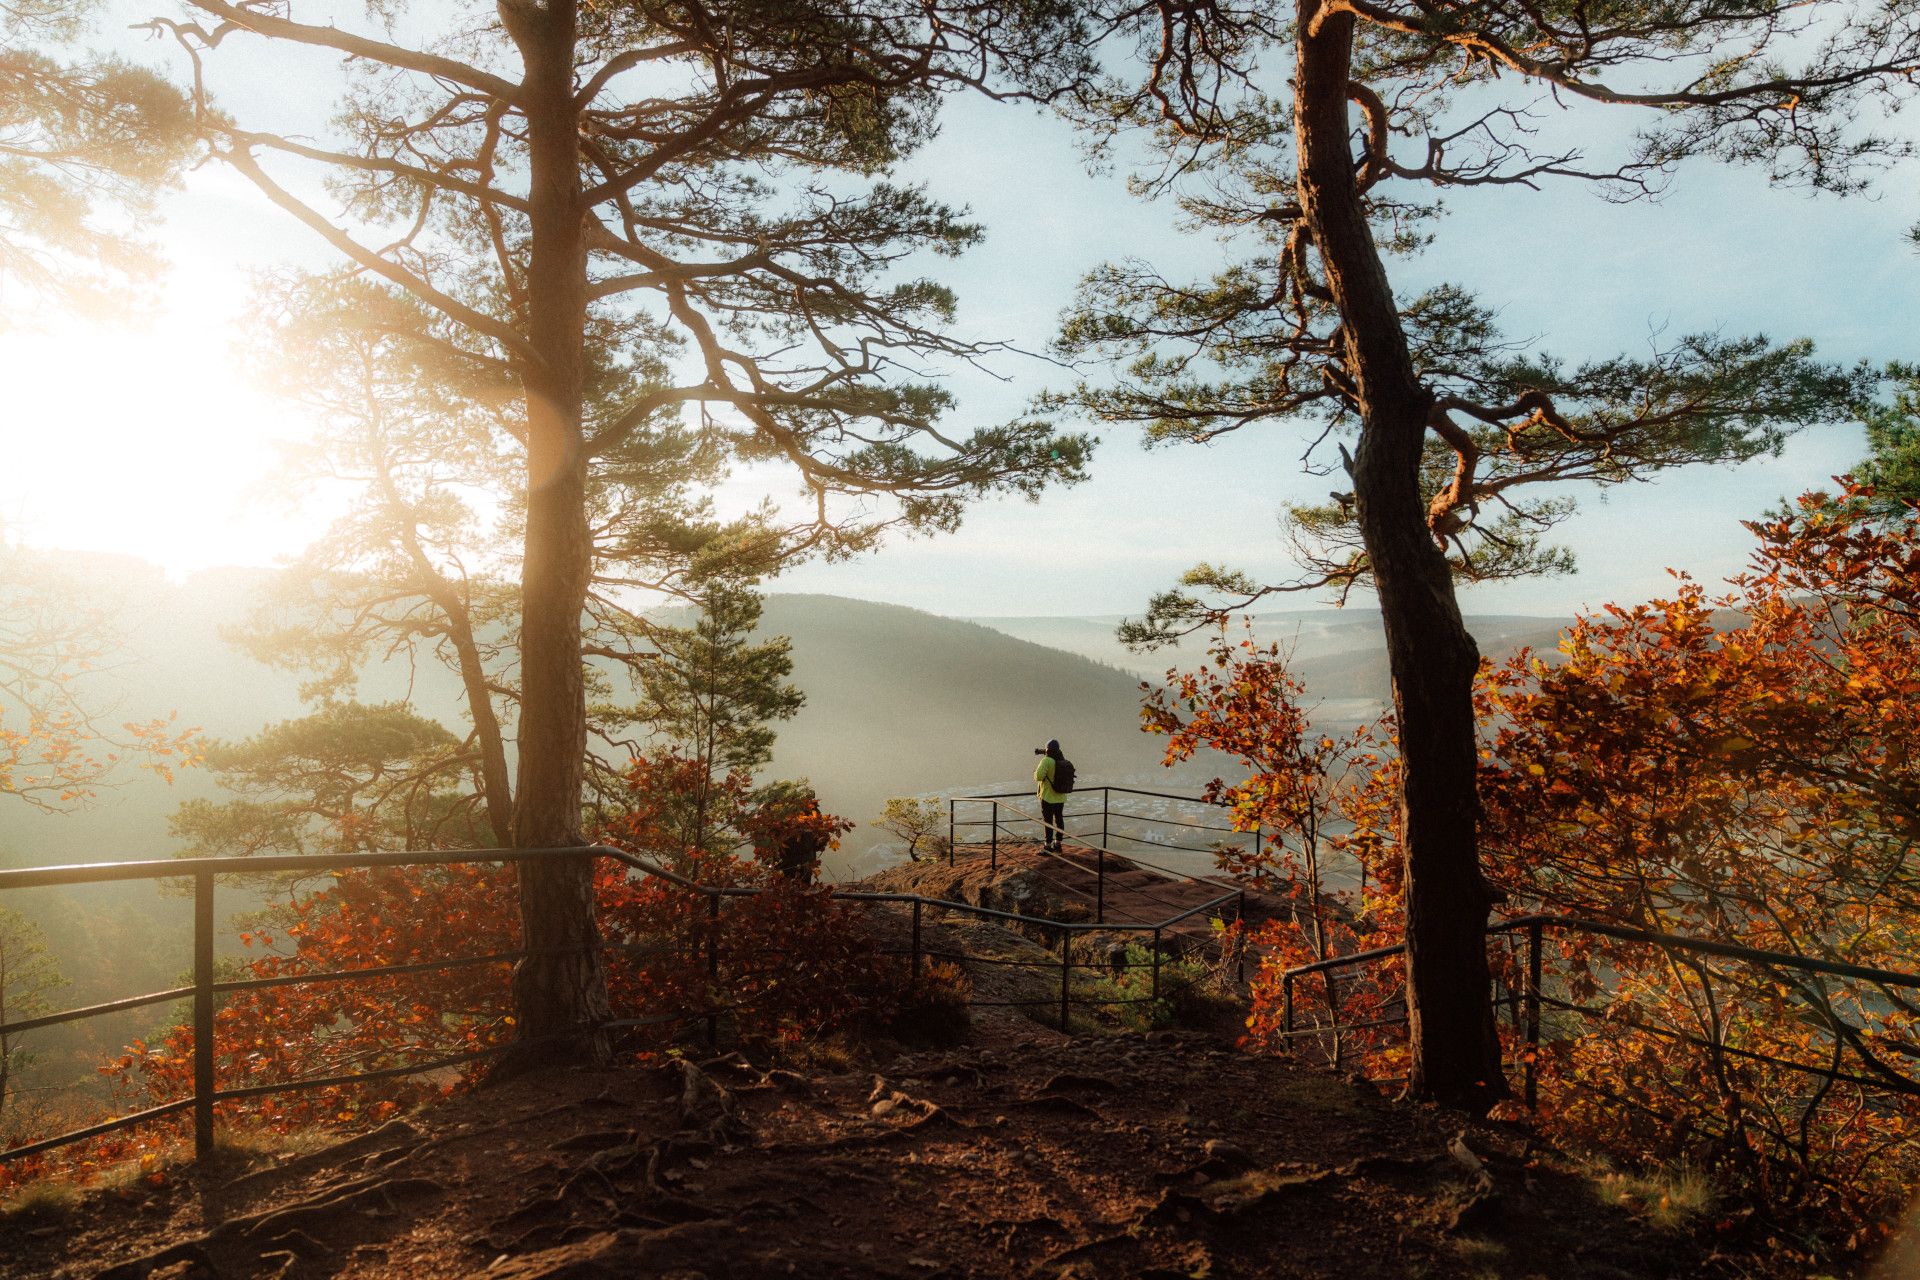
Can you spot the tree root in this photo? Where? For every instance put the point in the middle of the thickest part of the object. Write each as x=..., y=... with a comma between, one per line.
x=193, y=1252
x=322, y=1211
x=1074, y=1080
x=884, y=1100
x=1258, y=1188
x=1054, y=1104
x=394, y=1135
x=1097, y=1253
x=289, y=1229
x=1480, y=1200
x=708, y=1107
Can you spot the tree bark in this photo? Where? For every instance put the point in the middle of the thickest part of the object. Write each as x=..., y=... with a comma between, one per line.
x=452, y=601
x=559, y=989
x=1455, y=1047
x=498, y=791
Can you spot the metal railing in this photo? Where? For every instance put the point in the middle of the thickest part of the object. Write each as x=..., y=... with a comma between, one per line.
x=1019, y=825
x=1525, y=1002
x=203, y=872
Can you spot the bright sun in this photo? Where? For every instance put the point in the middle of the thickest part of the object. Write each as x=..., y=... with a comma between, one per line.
x=147, y=440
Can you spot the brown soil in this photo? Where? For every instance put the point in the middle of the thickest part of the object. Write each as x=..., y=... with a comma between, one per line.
x=1034, y=1154
x=1021, y=1152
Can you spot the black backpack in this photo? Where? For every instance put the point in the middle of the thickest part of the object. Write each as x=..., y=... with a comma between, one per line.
x=1063, y=775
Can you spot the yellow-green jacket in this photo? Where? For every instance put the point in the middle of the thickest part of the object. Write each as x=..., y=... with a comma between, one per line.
x=1043, y=782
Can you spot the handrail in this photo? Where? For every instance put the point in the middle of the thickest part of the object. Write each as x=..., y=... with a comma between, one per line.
x=1109, y=788
x=1164, y=795
x=1533, y=926
x=1104, y=786
x=1341, y=962
x=261, y=864
x=204, y=871
x=1084, y=843
x=1706, y=946
x=1627, y=933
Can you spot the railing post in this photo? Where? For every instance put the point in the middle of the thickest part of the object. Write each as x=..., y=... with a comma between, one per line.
x=914, y=979
x=203, y=1014
x=713, y=970
x=993, y=856
x=1533, y=1013
x=1155, y=994
x=1333, y=1015
x=1100, y=885
x=1105, y=794
x=1066, y=967
x=951, y=802
x=1514, y=996
x=1240, y=938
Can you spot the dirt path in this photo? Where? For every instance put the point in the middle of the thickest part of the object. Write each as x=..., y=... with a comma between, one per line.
x=1157, y=1155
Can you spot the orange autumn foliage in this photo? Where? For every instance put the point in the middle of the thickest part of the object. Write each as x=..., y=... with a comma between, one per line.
x=1325, y=806
x=1741, y=767
x=786, y=962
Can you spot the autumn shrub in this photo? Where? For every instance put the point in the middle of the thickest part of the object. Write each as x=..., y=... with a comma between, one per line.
x=779, y=959
x=299, y=1029
x=1183, y=996
x=933, y=1012
x=1740, y=767
x=128, y=1159
x=785, y=961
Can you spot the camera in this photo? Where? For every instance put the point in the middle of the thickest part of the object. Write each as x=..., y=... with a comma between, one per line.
x=1039, y=751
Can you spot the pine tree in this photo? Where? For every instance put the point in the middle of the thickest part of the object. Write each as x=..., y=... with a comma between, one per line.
x=710, y=694
x=28, y=976
x=1323, y=136
x=555, y=165
x=1892, y=464
x=77, y=137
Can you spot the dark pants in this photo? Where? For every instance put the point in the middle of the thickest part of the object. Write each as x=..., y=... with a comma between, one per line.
x=1053, y=818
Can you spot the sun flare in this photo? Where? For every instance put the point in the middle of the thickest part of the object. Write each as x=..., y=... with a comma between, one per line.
x=146, y=439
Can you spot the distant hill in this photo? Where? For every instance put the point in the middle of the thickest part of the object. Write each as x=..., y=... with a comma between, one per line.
x=1340, y=654
x=1362, y=676
x=899, y=702
x=902, y=702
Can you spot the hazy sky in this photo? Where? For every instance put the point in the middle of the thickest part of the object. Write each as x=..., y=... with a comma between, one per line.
x=149, y=440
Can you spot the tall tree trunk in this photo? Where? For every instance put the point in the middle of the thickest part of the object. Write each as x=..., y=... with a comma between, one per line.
x=559, y=990
x=1455, y=1049
x=6, y=1042
x=498, y=791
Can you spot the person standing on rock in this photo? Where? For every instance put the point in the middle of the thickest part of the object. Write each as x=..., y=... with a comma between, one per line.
x=1053, y=781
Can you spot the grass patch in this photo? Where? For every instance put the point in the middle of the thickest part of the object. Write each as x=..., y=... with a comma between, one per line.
x=1670, y=1199
x=47, y=1198
x=240, y=1149
x=1128, y=995
x=1480, y=1252
x=824, y=1055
